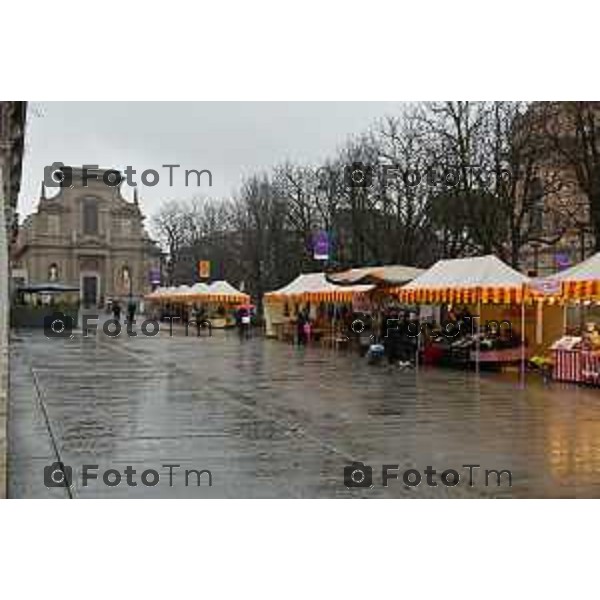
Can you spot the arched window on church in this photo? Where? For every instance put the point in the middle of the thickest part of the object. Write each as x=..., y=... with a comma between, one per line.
x=90, y=216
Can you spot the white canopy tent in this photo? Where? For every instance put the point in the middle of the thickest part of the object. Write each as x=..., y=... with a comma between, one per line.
x=387, y=274
x=307, y=287
x=474, y=273
x=218, y=291
x=314, y=286
x=587, y=270
x=199, y=288
x=473, y=280
x=222, y=287
x=579, y=285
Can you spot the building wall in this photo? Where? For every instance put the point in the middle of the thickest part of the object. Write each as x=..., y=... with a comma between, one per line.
x=53, y=245
x=12, y=127
x=566, y=206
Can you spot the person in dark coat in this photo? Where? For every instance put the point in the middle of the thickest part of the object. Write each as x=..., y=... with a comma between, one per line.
x=242, y=321
x=116, y=310
x=391, y=335
x=131, y=308
x=300, y=331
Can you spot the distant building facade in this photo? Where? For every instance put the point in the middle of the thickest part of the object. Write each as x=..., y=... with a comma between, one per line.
x=12, y=136
x=561, y=208
x=90, y=237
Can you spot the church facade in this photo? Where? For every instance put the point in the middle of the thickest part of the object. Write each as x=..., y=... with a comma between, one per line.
x=90, y=237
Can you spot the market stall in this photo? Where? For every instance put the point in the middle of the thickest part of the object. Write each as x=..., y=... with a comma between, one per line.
x=221, y=301
x=478, y=294
x=322, y=304
x=576, y=354
x=216, y=302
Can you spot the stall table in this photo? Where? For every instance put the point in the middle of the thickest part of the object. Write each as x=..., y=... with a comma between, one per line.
x=576, y=366
x=567, y=365
x=590, y=367
x=500, y=357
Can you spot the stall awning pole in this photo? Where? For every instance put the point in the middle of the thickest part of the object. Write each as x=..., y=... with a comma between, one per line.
x=523, y=337
x=418, y=338
x=477, y=330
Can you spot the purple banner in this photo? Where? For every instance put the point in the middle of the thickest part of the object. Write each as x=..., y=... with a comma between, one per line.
x=562, y=260
x=321, y=245
x=154, y=276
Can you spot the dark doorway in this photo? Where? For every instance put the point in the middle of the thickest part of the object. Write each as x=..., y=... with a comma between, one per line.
x=90, y=291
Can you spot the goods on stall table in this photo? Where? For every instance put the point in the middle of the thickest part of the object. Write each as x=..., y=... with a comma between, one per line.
x=493, y=349
x=567, y=342
x=577, y=358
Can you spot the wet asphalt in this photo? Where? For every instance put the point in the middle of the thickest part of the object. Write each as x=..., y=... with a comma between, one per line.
x=259, y=418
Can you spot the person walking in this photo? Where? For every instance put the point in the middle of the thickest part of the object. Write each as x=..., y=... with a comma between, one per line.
x=242, y=318
x=246, y=321
x=131, y=308
x=116, y=310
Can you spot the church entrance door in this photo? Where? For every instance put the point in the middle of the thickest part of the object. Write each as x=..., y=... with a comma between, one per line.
x=89, y=291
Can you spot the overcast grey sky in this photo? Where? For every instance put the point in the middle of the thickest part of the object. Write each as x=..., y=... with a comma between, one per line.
x=231, y=139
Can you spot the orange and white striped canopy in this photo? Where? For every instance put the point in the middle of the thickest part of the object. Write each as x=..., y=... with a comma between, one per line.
x=314, y=287
x=484, y=279
x=580, y=282
x=218, y=291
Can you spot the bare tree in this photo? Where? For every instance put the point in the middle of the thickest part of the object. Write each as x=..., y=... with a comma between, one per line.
x=446, y=179
x=170, y=224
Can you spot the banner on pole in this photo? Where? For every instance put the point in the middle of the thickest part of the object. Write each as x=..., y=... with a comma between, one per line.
x=204, y=269
x=321, y=245
x=562, y=260
x=154, y=276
